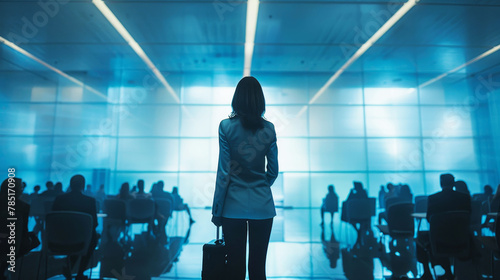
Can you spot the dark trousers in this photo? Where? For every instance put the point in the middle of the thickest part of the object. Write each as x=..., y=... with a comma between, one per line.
x=235, y=236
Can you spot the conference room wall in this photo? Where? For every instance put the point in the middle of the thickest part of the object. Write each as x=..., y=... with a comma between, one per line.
x=365, y=127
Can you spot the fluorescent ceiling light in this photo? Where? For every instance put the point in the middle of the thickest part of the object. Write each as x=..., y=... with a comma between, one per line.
x=29, y=55
x=251, y=26
x=134, y=45
x=390, y=23
x=479, y=57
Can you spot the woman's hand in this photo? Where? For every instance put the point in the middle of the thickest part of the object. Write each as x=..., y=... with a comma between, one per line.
x=217, y=221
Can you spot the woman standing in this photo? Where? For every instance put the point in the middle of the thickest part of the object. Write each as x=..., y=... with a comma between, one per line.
x=243, y=199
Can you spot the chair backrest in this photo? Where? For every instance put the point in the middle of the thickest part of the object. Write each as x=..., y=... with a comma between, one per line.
x=421, y=204
x=141, y=210
x=391, y=200
x=164, y=206
x=479, y=196
x=400, y=221
x=475, y=216
x=41, y=205
x=67, y=232
x=115, y=209
x=449, y=234
x=359, y=209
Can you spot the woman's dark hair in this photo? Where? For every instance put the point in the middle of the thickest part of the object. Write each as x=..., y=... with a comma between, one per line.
x=249, y=103
x=125, y=189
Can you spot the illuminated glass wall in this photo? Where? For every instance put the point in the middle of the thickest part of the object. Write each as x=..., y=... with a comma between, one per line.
x=366, y=127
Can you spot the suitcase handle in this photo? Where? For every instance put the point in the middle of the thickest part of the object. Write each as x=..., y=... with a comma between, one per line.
x=218, y=240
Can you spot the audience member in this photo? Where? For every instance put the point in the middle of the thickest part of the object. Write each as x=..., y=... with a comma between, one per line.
x=488, y=191
x=443, y=201
x=495, y=201
x=50, y=190
x=35, y=193
x=100, y=194
x=58, y=188
x=75, y=200
x=158, y=191
x=461, y=186
x=405, y=194
x=140, y=193
x=88, y=191
x=381, y=197
x=179, y=204
x=25, y=241
x=330, y=204
x=125, y=192
x=357, y=192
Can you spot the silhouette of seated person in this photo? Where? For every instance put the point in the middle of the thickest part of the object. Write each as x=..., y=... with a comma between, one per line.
x=140, y=191
x=50, y=191
x=461, y=187
x=444, y=201
x=397, y=194
x=330, y=204
x=35, y=193
x=158, y=193
x=100, y=194
x=405, y=194
x=381, y=197
x=49, y=194
x=125, y=192
x=75, y=200
x=491, y=206
x=356, y=193
x=24, y=241
x=179, y=205
x=58, y=188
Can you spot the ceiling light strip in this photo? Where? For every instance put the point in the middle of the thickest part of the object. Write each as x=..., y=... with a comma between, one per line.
x=45, y=64
x=134, y=45
x=479, y=57
x=390, y=23
x=251, y=26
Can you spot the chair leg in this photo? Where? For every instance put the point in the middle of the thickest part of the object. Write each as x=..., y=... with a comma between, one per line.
x=68, y=263
x=39, y=264
x=46, y=265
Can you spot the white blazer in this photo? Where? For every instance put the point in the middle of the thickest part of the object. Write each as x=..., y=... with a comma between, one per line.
x=243, y=186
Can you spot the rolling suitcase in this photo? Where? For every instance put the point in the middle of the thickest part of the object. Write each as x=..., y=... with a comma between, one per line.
x=214, y=259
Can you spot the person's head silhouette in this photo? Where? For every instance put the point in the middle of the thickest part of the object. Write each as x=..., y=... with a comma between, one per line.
x=125, y=188
x=49, y=185
x=330, y=188
x=248, y=103
x=488, y=190
x=447, y=181
x=58, y=187
x=461, y=186
x=140, y=185
x=77, y=183
x=358, y=186
x=36, y=189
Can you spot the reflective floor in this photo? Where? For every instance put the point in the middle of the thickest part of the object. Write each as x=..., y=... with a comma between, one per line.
x=300, y=248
